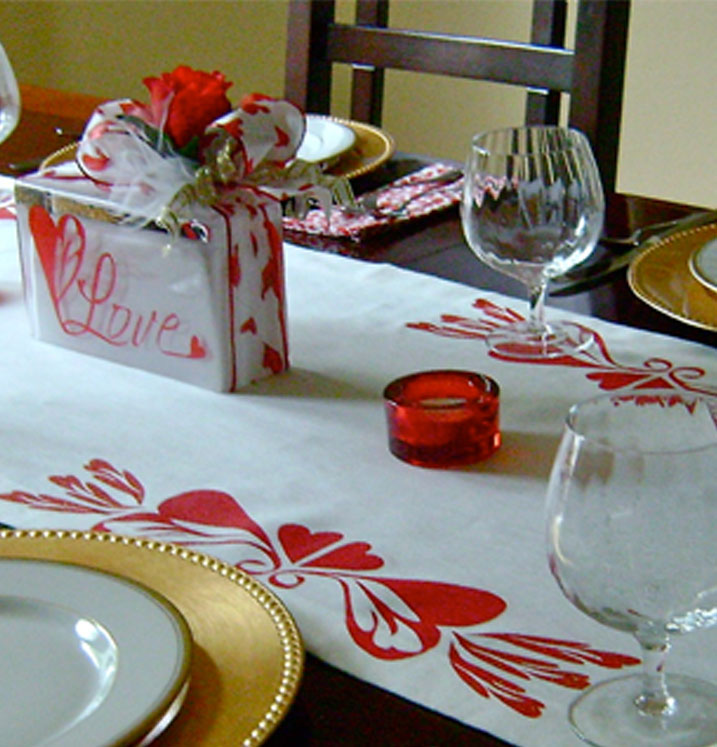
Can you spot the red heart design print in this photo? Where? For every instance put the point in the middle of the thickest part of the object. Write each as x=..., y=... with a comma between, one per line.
x=60, y=247
x=299, y=543
x=612, y=380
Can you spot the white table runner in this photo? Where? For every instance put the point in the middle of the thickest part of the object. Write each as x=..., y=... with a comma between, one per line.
x=432, y=584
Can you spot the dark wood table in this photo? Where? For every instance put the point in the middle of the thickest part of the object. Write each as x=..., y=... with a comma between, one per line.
x=436, y=246
x=333, y=708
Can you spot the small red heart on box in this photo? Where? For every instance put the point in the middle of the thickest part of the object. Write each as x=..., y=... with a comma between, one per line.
x=197, y=349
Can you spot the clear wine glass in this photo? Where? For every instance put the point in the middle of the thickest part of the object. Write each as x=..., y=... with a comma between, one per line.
x=9, y=97
x=632, y=542
x=532, y=208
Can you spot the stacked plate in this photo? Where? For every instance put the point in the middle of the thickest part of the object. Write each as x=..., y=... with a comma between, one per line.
x=703, y=265
x=677, y=275
x=109, y=640
x=343, y=147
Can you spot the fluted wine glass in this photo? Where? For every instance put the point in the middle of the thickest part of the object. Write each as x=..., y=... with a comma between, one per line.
x=532, y=208
x=9, y=97
x=632, y=542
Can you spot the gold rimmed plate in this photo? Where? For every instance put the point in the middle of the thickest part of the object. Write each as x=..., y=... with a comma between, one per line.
x=661, y=277
x=247, y=655
x=371, y=149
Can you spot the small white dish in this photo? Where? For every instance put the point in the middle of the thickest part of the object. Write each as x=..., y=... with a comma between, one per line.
x=703, y=265
x=324, y=140
x=88, y=658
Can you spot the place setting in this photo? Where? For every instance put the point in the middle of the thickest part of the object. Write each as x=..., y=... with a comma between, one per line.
x=137, y=628
x=351, y=150
x=344, y=147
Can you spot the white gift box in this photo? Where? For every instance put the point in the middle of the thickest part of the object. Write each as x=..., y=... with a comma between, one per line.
x=206, y=306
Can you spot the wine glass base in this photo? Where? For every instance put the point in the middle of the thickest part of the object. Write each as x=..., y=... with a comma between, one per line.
x=555, y=340
x=606, y=715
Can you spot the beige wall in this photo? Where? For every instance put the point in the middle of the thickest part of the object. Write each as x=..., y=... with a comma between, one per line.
x=669, y=144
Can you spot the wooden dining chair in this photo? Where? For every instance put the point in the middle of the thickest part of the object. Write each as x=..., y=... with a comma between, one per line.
x=590, y=68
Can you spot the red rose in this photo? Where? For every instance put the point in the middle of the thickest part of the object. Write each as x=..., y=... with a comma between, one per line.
x=196, y=99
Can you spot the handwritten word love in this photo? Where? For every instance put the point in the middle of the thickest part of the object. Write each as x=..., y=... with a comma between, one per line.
x=84, y=292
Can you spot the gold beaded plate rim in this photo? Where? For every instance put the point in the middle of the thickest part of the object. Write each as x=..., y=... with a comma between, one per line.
x=661, y=277
x=247, y=657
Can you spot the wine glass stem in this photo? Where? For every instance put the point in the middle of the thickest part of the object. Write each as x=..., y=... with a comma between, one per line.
x=654, y=700
x=537, y=307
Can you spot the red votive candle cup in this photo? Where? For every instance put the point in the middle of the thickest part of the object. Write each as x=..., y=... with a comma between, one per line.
x=443, y=418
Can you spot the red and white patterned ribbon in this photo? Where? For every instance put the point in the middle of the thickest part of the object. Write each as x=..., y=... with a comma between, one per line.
x=241, y=153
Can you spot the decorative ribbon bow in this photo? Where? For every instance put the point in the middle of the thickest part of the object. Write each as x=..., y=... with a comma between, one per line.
x=243, y=155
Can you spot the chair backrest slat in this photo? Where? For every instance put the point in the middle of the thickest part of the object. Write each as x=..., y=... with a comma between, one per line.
x=367, y=83
x=598, y=73
x=548, y=27
x=590, y=70
x=465, y=57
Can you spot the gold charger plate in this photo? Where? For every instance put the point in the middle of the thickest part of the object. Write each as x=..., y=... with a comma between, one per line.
x=373, y=147
x=247, y=656
x=660, y=276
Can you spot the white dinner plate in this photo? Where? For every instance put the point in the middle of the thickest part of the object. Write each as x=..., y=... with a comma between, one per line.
x=324, y=140
x=703, y=264
x=248, y=657
x=86, y=658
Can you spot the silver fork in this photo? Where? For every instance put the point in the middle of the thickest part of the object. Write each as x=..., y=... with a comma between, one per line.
x=638, y=235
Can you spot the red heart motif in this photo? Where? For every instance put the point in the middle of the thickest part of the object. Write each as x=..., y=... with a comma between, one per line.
x=197, y=349
x=249, y=326
x=272, y=360
x=611, y=380
x=60, y=247
x=354, y=556
x=442, y=604
x=299, y=542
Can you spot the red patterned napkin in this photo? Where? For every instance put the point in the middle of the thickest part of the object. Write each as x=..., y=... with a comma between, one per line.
x=415, y=196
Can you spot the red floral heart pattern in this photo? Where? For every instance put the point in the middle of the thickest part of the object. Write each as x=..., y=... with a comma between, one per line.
x=597, y=359
x=390, y=619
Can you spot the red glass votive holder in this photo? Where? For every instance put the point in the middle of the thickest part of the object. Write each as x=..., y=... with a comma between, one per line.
x=443, y=418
